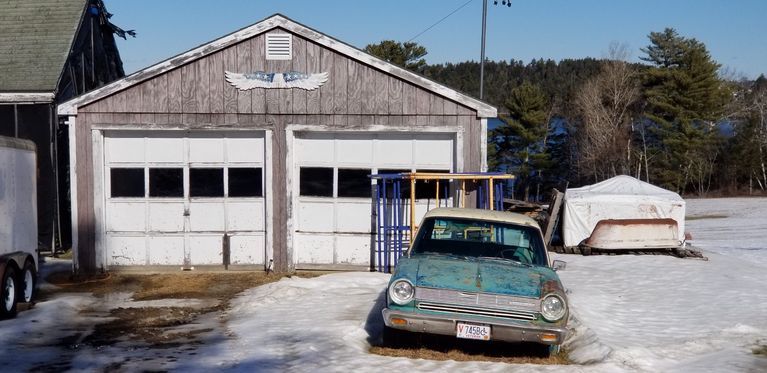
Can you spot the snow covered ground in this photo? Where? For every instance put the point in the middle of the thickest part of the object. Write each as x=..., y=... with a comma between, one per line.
x=630, y=313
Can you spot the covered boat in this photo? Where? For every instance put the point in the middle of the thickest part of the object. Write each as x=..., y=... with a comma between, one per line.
x=623, y=213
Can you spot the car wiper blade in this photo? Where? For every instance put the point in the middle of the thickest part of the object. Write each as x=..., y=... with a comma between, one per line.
x=445, y=254
x=506, y=260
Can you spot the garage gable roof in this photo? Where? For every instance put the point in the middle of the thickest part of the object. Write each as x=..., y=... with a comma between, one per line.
x=483, y=109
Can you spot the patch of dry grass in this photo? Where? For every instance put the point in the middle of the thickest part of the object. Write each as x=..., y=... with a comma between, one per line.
x=432, y=347
x=461, y=355
x=219, y=285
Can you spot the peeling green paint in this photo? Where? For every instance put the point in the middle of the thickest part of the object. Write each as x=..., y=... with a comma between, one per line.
x=477, y=275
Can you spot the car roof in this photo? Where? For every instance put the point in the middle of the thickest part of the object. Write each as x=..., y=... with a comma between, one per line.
x=480, y=214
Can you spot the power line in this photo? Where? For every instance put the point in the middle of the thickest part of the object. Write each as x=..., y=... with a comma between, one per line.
x=440, y=21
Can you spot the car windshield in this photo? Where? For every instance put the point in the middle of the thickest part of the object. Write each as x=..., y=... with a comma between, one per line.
x=478, y=238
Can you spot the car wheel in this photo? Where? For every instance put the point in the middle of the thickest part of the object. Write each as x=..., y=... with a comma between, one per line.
x=554, y=349
x=394, y=337
x=8, y=293
x=544, y=351
x=28, y=287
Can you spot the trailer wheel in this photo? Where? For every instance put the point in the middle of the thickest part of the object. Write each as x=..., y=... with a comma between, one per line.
x=28, y=288
x=8, y=293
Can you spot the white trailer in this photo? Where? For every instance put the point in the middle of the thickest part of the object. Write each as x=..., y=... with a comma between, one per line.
x=18, y=224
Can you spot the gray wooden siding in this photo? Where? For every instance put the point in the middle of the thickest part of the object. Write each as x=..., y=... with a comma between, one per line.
x=352, y=88
x=196, y=96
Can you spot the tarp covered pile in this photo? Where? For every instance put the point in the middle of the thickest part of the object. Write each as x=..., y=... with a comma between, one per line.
x=622, y=197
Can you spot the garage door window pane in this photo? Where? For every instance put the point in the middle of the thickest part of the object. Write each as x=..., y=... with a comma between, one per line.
x=206, y=182
x=245, y=182
x=427, y=189
x=166, y=182
x=404, y=184
x=127, y=182
x=353, y=183
x=316, y=181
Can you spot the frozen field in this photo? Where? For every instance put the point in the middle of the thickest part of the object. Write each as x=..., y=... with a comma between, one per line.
x=630, y=313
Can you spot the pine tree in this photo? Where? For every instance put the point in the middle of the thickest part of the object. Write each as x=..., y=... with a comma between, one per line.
x=685, y=99
x=519, y=144
x=408, y=55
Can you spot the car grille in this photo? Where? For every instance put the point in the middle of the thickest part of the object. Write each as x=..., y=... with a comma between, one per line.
x=482, y=304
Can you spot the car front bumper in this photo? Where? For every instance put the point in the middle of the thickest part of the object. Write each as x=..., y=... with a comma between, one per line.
x=507, y=331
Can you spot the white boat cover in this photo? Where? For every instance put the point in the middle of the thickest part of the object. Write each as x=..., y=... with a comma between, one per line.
x=622, y=197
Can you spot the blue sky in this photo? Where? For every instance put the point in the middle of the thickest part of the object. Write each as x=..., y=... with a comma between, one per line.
x=735, y=31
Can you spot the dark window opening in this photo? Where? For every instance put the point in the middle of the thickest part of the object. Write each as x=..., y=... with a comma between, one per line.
x=206, y=182
x=245, y=182
x=126, y=182
x=7, y=121
x=427, y=189
x=353, y=183
x=166, y=182
x=316, y=181
x=404, y=183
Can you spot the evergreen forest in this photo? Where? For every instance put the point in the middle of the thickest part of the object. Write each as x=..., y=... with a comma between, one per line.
x=676, y=119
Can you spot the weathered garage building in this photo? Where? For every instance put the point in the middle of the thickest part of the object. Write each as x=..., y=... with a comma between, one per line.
x=263, y=138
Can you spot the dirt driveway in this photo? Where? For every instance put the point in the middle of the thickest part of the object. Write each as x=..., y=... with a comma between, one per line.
x=134, y=319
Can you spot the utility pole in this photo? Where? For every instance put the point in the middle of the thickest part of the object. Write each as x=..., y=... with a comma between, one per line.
x=484, y=34
x=482, y=58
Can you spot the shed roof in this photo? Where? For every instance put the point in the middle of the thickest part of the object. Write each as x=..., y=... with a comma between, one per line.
x=35, y=39
x=483, y=109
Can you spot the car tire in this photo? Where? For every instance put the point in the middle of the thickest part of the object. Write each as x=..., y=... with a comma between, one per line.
x=8, y=293
x=543, y=351
x=554, y=349
x=28, y=288
x=394, y=337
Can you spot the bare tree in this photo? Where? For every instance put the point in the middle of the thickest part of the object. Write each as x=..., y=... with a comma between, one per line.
x=758, y=109
x=748, y=112
x=604, y=105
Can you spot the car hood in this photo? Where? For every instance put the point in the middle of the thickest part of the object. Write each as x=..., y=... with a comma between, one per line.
x=478, y=275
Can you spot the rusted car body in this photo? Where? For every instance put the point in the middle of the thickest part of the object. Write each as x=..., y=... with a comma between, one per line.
x=478, y=274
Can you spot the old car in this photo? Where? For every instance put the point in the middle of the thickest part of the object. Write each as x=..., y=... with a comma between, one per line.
x=477, y=274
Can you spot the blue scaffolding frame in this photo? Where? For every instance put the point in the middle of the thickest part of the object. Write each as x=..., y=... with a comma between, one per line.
x=394, y=212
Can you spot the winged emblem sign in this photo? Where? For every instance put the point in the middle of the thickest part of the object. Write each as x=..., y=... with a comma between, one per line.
x=290, y=79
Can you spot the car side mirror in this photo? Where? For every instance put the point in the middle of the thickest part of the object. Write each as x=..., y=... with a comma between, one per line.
x=558, y=265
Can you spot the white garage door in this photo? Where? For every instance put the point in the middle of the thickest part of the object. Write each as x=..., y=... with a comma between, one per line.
x=171, y=196
x=333, y=190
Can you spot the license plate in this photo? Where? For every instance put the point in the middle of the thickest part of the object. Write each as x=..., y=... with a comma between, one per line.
x=472, y=331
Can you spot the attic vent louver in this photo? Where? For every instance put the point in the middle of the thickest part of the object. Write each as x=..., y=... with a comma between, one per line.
x=279, y=46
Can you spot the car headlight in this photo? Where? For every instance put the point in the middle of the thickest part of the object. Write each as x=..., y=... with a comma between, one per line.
x=401, y=292
x=553, y=307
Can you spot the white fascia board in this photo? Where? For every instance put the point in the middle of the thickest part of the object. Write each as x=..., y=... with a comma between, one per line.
x=72, y=134
x=484, y=110
x=483, y=145
x=27, y=97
